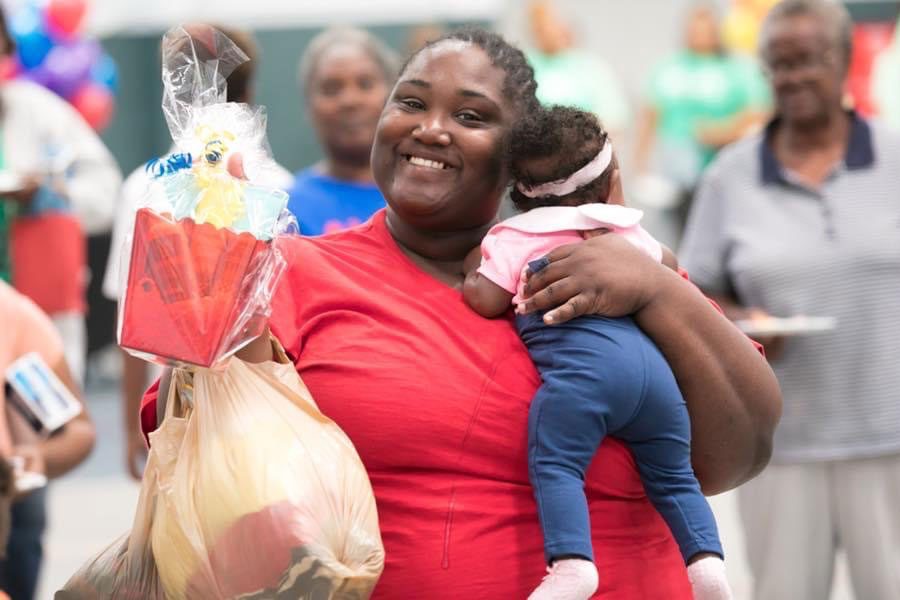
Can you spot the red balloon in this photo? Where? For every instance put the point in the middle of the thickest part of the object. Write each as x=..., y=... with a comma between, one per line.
x=95, y=103
x=64, y=17
x=9, y=69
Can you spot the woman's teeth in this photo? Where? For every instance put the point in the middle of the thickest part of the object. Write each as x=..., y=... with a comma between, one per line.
x=424, y=162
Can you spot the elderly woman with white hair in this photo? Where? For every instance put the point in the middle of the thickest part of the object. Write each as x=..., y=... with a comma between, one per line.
x=802, y=219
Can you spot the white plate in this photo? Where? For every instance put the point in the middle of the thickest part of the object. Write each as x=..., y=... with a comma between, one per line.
x=799, y=325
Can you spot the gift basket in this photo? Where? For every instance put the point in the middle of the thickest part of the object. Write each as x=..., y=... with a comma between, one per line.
x=250, y=492
x=203, y=256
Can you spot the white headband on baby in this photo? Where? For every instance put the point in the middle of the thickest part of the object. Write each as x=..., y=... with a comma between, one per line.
x=567, y=185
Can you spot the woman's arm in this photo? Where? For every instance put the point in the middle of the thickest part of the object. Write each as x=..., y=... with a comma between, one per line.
x=669, y=259
x=63, y=451
x=773, y=344
x=721, y=134
x=731, y=393
x=68, y=449
x=134, y=382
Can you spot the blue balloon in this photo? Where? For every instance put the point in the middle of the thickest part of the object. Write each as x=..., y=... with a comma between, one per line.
x=33, y=48
x=105, y=72
x=32, y=42
x=25, y=20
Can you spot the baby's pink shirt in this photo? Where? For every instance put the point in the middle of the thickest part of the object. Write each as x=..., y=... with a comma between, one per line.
x=510, y=245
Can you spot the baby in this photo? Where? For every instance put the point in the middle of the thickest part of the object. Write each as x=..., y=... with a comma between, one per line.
x=600, y=375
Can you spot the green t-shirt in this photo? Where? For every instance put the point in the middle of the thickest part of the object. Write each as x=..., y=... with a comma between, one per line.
x=691, y=90
x=574, y=78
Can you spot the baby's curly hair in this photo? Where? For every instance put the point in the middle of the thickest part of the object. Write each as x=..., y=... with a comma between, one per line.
x=566, y=139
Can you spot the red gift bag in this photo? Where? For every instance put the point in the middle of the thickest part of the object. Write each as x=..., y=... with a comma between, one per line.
x=187, y=286
x=48, y=255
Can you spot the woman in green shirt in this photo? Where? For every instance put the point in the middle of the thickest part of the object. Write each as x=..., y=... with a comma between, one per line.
x=698, y=100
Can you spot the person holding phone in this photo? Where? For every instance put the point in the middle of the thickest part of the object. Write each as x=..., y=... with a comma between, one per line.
x=24, y=328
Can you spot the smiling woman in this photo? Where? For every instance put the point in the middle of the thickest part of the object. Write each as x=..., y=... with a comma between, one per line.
x=447, y=111
x=435, y=398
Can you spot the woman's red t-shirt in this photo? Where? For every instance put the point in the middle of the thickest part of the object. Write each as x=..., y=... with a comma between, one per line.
x=435, y=399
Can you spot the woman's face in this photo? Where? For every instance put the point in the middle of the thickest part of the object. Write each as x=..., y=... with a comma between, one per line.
x=438, y=152
x=347, y=92
x=550, y=33
x=703, y=32
x=805, y=69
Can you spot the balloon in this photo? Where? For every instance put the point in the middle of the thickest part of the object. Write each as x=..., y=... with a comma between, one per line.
x=9, y=68
x=95, y=103
x=32, y=44
x=64, y=17
x=25, y=19
x=68, y=66
x=32, y=49
x=105, y=72
x=38, y=75
x=740, y=30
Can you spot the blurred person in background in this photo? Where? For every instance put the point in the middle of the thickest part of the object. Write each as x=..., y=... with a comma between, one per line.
x=885, y=82
x=136, y=372
x=569, y=76
x=803, y=219
x=24, y=328
x=697, y=101
x=66, y=183
x=345, y=76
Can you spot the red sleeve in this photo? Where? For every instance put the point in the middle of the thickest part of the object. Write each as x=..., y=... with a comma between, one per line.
x=148, y=410
x=757, y=345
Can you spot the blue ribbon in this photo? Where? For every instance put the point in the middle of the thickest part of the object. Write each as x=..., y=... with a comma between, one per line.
x=169, y=164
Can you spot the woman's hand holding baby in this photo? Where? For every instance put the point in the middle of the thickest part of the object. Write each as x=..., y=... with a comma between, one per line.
x=604, y=275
